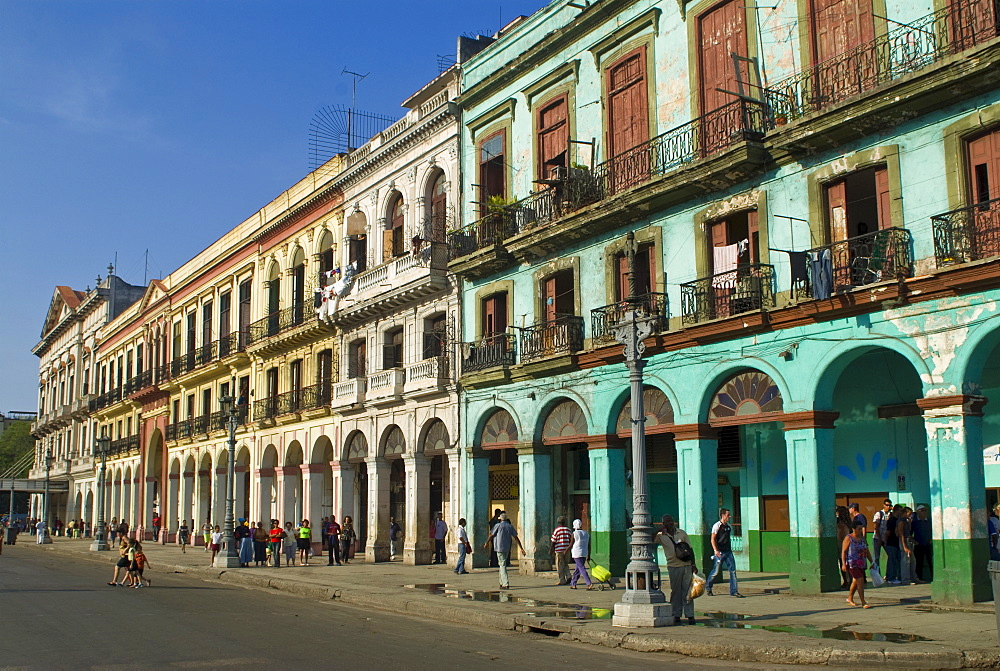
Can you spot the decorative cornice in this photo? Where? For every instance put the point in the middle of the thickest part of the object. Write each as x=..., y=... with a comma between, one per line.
x=694, y=432
x=809, y=419
x=954, y=405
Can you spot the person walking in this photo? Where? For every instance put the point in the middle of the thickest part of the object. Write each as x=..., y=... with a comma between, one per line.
x=502, y=538
x=305, y=542
x=206, y=532
x=332, y=541
x=347, y=539
x=843, y=531
x=464, y=548
x=141, y=563
x=215, y=543
x=922, y=551
x=879, y=520
x=183, y=535
x=275, y=536
x=680, y=568
x=289, y=544
x=854, y=510
x=122, y=562
x=394, y=535
x=722, y=547
x=853, y=553
x=440, y=532
x=244, y=543
x=495, y=520
x=39, y=532
x=581, y=553
x=562, y=539
x=156, y=526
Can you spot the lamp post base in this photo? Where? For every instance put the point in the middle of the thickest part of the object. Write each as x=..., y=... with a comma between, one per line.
x=643, y=615
x=46, y=540
x=223, y=560
x=99, y=546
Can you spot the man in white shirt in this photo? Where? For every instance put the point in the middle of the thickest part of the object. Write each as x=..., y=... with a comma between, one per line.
x=440, y=531
x=463, y=547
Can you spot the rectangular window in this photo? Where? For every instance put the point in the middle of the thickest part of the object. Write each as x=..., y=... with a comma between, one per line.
x=324, y=368
x=177, y=411
x=357, y=252
x=392, y=351
x=192, y=318
x=492, y=169
x=558, y=295
x=721, y=34
x=984, y=167
x=138, y=359
x=190, y=406
x=435, y=336
x=840, y=26
x=295, y=374
x=225, y=303
x=357, y=364
x=645, y=271
x=628, y=105
x=553, y=138
x=271, y=380
x=858, y=204
x=244, y=316
x=734, y=241
x=495, y=314
x=206, y=401
x=206, y=323
x=775, y=513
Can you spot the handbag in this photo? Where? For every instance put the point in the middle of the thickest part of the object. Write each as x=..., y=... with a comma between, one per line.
x=697, y=586
x=873, y=574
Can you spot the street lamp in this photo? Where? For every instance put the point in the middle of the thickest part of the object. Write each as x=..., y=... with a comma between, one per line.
x=102, y=447
x=46, y=538
x=229, y=558
x=642, y=604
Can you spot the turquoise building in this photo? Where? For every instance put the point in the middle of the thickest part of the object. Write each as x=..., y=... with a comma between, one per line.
x=814, y=192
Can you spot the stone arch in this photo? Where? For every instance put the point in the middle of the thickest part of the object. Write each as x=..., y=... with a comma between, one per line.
x=293, y=454
x=324, y=240
x=564, y=420
x=393, y=442
x=355, y=447
x=498, y=429
x=657, y=406
x=297, y=257
x=322, y=451
x=842, y=355
x=434, y=438
x=971, y=359
x=727, y=374
x=269, y=458
x=273, y=270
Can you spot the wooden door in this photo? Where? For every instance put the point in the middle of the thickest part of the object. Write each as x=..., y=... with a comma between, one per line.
x=984, y=183
x=549, y=297
x=839, y=29
x=553, y=138
x=884, y=199
x=495, y=315
x=722, y=32
x=439, y=210
x=628, y=120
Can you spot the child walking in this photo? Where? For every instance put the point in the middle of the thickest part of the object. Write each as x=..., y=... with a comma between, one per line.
x=184, y=535
x=216, y=544
x=141, y=562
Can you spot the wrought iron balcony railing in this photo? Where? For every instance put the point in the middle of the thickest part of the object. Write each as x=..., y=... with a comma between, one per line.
x=289, y=401
x=749, y=288
x=603, y=320
x=968, y=233
x=105, y=399
x=855, y=262
x=575, y=188
x=315, y=396
x=276, y=322
x=562, y=335
x=900, y=51
x=124, y=445
x=495, y=351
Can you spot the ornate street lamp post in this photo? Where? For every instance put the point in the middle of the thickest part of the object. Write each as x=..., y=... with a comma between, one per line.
x=230, y=557
x=642, y=604
x=47, y=537
x=102, y=447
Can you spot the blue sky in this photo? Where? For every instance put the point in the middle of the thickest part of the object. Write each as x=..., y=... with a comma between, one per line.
x=130, y=125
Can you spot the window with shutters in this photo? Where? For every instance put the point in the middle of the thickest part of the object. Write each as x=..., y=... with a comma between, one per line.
x=645, y=272
x=558, y=295
x=734, y=241
x=552, y=127
x=437, y=219
x=722, y=32
x=298, y=292
x=271, y=382
x=435, y=336
x=206, y=401
x=192, y=318
x=357, y=361
x=225, y=305
x=839, y=26
x=494, y=314
x=357, y=252
x=206, y=322
x=983, y=174
x=858, y=204
x=628, y=102
x=393, y=238
x=244, y=312
x=730, y=452
x=392, y=349
x=492, y=169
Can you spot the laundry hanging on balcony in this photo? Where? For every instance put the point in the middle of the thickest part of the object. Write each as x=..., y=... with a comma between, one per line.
x=822, y=273
x=724, y=260
x=332, y=293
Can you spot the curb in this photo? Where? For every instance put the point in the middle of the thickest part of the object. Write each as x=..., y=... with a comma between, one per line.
x=806, y=651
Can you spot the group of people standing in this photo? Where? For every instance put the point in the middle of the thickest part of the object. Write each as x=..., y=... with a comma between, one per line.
x=904, y=534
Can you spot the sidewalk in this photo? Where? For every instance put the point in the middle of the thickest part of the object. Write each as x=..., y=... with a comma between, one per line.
x=903, y=630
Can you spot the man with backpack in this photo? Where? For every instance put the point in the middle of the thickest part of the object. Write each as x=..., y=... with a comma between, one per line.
x=879, y=521
x=722, y=547
x=680, y=567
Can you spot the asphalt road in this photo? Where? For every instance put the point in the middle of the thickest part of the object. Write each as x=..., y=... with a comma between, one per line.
x=58, y=613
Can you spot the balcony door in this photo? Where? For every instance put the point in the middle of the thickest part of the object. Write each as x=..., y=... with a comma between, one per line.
x=558, y=295
x=840, y=28
x=734, y=253
x=722, y=33
x=628, y=120
x=553, y=138
x=645, y=269
x=984, y=181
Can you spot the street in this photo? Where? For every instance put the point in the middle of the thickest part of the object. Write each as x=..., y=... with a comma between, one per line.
x=58, y=613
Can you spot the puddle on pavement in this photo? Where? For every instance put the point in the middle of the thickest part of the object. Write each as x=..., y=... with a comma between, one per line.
x=539, y=608
x=841, y=633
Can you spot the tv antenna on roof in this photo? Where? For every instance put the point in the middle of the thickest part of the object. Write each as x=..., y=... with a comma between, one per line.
x=354, y=101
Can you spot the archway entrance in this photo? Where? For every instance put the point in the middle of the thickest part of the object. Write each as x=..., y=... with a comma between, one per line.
x=356, y=453
x=434, y=445
x=155, y=478
x=565, y=430
x=395, y=447
x=498, y=437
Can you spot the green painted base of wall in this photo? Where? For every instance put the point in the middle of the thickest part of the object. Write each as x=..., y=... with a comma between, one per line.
x=611, y=550
x=702, y=546
x=813, y=567
x=774, y=551
x=960, y=575
x=751, y=545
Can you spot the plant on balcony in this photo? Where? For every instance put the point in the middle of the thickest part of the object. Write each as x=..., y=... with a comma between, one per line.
x=498, y=203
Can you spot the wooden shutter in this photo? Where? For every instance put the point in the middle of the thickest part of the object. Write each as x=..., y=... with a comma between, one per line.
x=386, y=246
x=753, y=236
x=553, y=137
x=439, y=211
x=651, y=255
x=495, y=314
x=621, y=263
x=549, y=297
x=884, y=201
x=984, y=167
x=972, y=22
x=840, y=26
x=836, y=202
x=722, y=32
x=628, y=103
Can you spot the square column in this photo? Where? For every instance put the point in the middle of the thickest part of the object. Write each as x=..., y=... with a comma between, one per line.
x=289, y=496
x=186, y=511
x=958, y=504
x=475, y=505
x=418, y=548
x=377, y=549
x=697, y=485
x=608, y=524
x=173, y=494
x=343, y=489
x=219, y=497
x=813, y=550
x=452, y=494
x=263, y=479
x=312, y=496
x=535, y=466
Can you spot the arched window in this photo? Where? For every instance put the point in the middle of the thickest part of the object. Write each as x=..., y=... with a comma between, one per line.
x=438, y=218
x=393, y=242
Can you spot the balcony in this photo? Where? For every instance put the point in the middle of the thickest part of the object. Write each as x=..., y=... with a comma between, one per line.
x=279, y=322
x=749, y=288
x=429, y=376
x=967, y=234
x=393, y=285
x=604, y=319
x=493, y=241
x=349, y=393
x=854, y=263
x=106, y=399
x=386, y=386
x=497, y=351
x=205, y=424
x=561, y=336
x=124, y=446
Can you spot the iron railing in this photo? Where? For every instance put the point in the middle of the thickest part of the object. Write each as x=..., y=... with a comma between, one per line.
x=494, y=351
x=604, y=319
x=104, y=400
x=747, y=289
x=714, y=132
x=968, y=233
x=315, y=396
x=276, y=322
x=562, y=335
x=124, y=445
x=855, y=262
x=900, y=51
